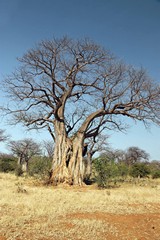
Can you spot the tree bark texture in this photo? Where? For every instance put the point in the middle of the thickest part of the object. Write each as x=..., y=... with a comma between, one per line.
x=68, y=166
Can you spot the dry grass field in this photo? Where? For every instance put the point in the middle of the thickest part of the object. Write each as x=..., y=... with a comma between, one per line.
x=29, y=210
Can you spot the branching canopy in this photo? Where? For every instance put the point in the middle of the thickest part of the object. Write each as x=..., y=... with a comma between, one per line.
x=81, y=85
x=26, y=148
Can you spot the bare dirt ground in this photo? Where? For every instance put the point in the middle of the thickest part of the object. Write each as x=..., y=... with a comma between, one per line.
x=28, y=211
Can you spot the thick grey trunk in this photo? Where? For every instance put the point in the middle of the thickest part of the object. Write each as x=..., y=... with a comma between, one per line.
x=23, y=164
x=67, y=164
x=76, y=166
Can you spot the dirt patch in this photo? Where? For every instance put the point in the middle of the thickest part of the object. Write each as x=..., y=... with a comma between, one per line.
x=96, y=226
x=130, y=226
x=2, y=238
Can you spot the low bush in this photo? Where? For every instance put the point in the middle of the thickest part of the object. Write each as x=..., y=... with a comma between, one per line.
x=155, y=174
x=7, y=163
x=140, y=170
x=106, y=171
x=39, y=166
x=123, y=170
x=18, y=171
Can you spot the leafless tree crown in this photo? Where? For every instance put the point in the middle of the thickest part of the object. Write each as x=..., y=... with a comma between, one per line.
x=82, y=85
x=26, y=148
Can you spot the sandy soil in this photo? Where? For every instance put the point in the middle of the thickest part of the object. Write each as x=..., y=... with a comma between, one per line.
x=112, y=227
x=47, y=213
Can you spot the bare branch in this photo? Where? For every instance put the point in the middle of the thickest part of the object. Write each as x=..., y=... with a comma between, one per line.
x=62, y=74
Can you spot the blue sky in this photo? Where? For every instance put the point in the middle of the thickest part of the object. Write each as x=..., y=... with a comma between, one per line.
x=129, y=28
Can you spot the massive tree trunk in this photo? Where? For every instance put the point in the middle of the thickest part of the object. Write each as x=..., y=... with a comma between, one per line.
x=76, y=165
x=67, y=164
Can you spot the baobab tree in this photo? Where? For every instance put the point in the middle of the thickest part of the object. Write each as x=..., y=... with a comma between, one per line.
x=24, y=149
x=74, y=88
x=135, y=155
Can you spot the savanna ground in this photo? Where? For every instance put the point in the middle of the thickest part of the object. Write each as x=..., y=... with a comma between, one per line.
x=29, y=210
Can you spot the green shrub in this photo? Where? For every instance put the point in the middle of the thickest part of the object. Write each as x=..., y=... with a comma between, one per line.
x=155, y=169
x=39, y=166
x=106, y=170
x=7, y=164
x=139, y=170
x=155, y=174
x=123, y=170
x=18, y=171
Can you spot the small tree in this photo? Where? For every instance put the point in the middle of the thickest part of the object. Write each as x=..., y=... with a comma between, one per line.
x=95, y=145
x=106, y=170
x=135, y=155
x=123, y=169
x=140, y=170
x=24, y=149
x=117, y=155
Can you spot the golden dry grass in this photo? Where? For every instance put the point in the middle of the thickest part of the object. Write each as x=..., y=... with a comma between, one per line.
x=35, y=212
